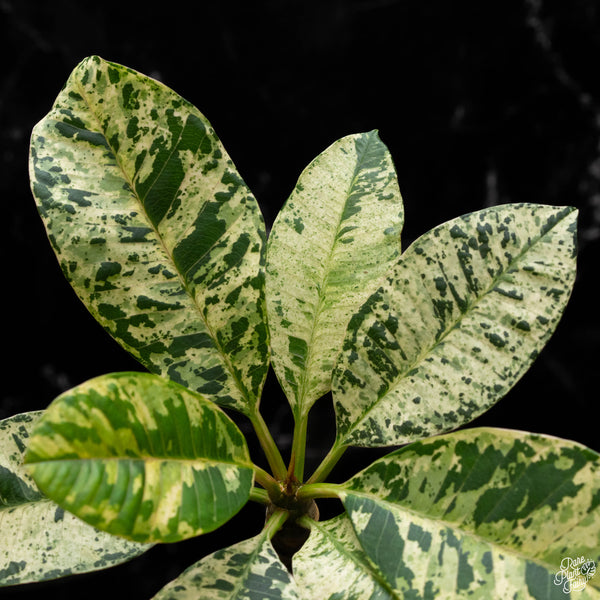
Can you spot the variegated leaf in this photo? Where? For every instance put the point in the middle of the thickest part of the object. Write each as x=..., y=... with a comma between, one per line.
x=457, y=322
x=155, y=230
x=249, y=570
x=141, y=457
x=333, y=566
x=481, y=513
x=39, y=540
x=337, y=234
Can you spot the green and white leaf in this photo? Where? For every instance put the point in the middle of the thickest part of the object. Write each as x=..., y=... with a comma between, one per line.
x=39, y=540
x=333, y=566
x=482, y=513
x=155, y=229
x=249, y=570
x=141, y=457
x=458, y=320
x=337, y=234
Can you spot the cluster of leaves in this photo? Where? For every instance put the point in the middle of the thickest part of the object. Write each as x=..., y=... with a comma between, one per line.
x=166, y=246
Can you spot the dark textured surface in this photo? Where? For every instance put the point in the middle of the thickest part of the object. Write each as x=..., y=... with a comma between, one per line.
x=479, y=104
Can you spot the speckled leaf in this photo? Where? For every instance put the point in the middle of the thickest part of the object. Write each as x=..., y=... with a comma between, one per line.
x=141, y=457
x=155, y=230
x=39, y=540
x=482, y=513
x=333, y=566
x=457, y=322
x=249, y=570
x=337, y=234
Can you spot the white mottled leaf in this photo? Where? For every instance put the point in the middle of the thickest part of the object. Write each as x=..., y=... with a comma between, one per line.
x=482, y=513
x=458, y=320
x=39, y=540
x=155, y=229
x=249, y=570
x=333, y=566
x=337, y=234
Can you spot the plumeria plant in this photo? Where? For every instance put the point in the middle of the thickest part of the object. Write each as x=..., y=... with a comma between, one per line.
x=166, y=246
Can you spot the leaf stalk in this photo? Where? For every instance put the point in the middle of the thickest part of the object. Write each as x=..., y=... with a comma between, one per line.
x=275, y=522
x=327, y=464
x=268, y=445
x=260, y=496
x=296, y=467
x=267, y=481
x=319, y=490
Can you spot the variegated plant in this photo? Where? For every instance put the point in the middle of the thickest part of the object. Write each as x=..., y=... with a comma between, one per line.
x=164, y=243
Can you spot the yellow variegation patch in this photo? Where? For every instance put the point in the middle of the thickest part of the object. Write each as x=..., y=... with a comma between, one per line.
x=141, y=457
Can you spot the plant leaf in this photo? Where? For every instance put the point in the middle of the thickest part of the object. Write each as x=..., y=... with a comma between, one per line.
x=333, y=566
x=141, y=457
x=155, y=230
x=460, y=318
x=249, y=570
x=337, y=234
x=38, y=540
x=481, y=513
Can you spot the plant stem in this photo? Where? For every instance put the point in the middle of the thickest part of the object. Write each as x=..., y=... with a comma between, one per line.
x=296, y=468
x=319, y=490
x=328, y=463
x=268, y=445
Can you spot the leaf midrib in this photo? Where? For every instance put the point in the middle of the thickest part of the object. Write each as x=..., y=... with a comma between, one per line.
x=204, y=462
x=438, y=341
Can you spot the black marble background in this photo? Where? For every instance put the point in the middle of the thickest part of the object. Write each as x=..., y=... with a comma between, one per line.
x=480, y=103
